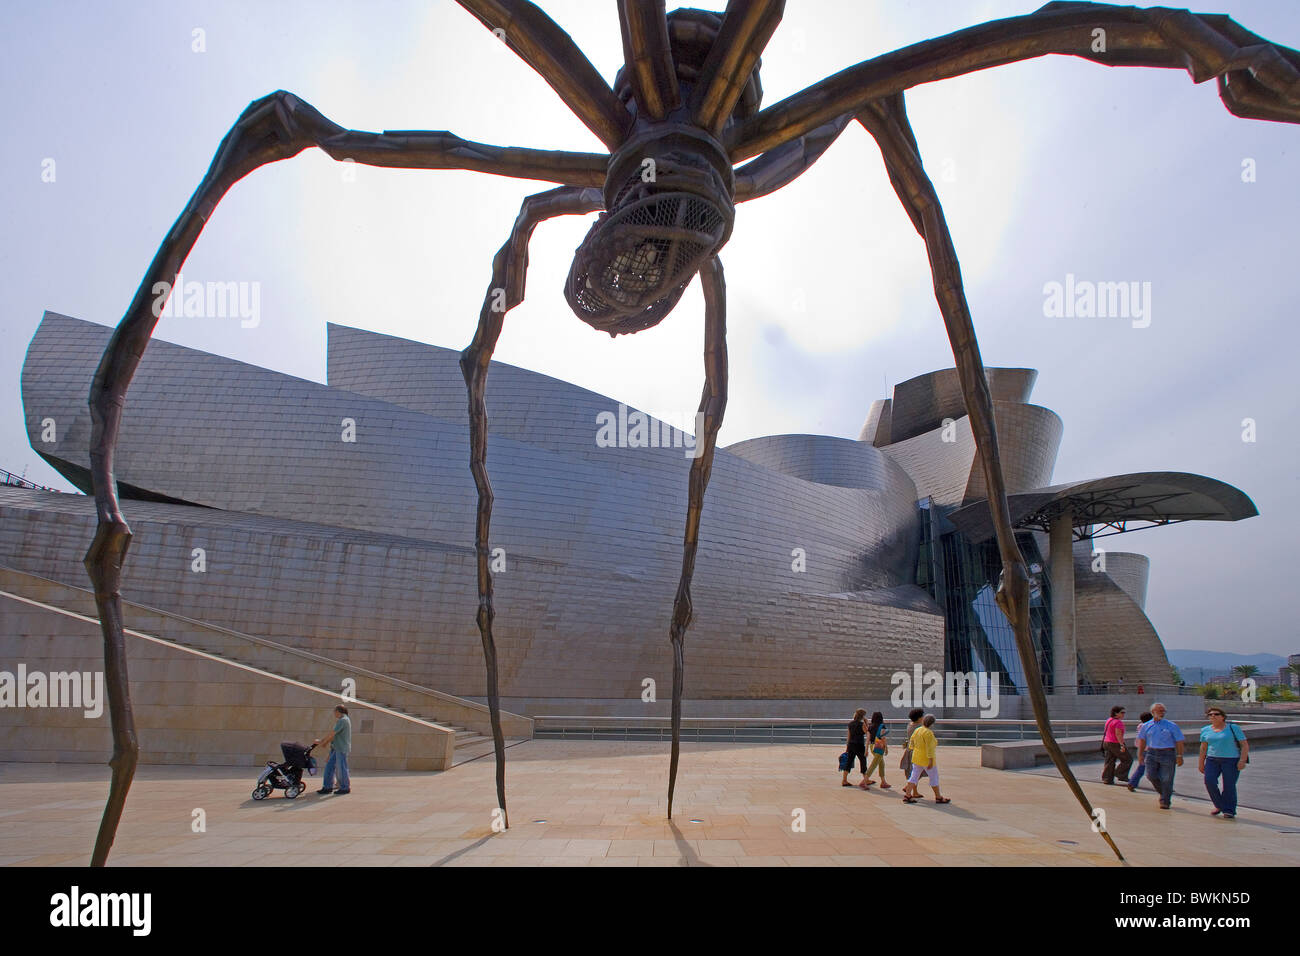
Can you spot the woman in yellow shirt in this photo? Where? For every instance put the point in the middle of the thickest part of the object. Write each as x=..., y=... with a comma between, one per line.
x=924, y=746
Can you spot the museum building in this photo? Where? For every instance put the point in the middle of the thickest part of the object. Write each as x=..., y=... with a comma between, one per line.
x=335, y=522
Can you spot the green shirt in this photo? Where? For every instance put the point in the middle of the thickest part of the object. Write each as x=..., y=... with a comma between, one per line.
x=342, y=741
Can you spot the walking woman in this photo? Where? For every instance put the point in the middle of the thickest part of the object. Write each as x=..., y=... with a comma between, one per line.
x=924, y=746
x=1224, y=751
x=1116, y=749
x=857, y=748
x=876, y=733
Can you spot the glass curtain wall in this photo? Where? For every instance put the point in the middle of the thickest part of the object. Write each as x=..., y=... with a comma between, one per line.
x=963, y=579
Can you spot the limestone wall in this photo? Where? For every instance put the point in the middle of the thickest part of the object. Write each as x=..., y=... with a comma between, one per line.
x=190, y=708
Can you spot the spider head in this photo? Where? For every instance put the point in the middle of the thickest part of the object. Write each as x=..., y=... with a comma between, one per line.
x=668, y=202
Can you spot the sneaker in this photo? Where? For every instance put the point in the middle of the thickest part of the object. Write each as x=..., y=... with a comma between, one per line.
x=341, y=793
x=323, y=790
x=1229, y=816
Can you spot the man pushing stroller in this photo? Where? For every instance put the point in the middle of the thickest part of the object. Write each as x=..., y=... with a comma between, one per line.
x=340, y=741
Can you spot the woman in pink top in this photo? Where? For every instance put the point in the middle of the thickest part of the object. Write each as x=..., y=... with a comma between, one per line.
x=1116, y=750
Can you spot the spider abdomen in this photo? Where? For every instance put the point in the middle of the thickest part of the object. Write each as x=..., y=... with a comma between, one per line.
x=668, y=196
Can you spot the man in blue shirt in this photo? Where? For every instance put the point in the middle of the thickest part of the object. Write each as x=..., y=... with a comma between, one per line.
x=1163, y=741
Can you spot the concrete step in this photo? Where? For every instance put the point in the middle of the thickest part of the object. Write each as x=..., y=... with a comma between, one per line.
x=479, y=748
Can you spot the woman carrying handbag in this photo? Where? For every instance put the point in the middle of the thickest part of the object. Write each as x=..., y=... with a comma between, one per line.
x=1224, y=752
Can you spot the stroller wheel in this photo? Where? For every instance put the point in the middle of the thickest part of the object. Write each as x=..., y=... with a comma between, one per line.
x=293, y=790
x=261, y=792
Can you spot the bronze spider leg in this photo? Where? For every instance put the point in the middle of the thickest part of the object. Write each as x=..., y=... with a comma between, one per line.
x=886, y=120
x=785, y=163
x=649, y=56
x=509, y=273
x=544, y=46
x=275, y=127
x=713, y=403
x=746, y=28
x=1257, y=79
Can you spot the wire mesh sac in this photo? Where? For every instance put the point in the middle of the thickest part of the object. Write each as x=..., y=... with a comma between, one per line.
x=634, y=264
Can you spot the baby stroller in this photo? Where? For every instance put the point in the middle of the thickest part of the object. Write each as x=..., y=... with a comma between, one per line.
x=286, y=776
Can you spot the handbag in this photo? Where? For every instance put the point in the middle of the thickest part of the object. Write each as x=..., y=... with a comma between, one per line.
x=1240, y=740
x=1103, y=736
x=846, y=761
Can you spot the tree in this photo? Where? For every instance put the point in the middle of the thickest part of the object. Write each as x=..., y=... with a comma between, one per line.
x=1243, y=671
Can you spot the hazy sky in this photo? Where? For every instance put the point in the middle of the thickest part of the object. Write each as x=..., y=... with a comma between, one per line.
x=1048, y=168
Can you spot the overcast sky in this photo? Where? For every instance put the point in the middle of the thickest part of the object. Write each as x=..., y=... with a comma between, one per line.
x=1048, y=168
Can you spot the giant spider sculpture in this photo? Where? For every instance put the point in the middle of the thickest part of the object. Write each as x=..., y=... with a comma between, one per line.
x=683, y=111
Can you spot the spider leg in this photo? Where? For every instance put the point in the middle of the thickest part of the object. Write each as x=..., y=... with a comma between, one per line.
x=1257, y=79
x=747, y=26
x=539, y=42
x=273, y=128
x=787, y=162
x=886, y=120
x=713, y=403
x=649, y=56
x=509, y=272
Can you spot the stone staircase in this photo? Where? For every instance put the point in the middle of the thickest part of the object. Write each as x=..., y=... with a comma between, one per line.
x=469, y=720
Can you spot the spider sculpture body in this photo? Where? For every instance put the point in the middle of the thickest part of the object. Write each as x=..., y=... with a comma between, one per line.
x=683, y=112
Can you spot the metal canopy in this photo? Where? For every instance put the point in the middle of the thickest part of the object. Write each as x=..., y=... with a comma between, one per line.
x=1117, y=504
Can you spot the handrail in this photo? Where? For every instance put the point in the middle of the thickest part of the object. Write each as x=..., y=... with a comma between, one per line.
x=284, y=649
x=967, y=732
x=18, y=481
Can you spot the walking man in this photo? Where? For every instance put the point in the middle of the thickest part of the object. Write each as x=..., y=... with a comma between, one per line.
x=1164, y=752
x=340, y=741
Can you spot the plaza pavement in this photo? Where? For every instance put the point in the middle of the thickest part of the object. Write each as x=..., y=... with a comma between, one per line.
x=602, y=804
x=1271, y=781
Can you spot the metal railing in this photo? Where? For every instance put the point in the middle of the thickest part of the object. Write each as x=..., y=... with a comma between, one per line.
x=961, y=733
x=18, y=481
x=1114, y=688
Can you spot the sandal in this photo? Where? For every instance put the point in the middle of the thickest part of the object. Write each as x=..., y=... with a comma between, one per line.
x=846, y=784
x=1215, y=813
x=885, y=786
x=942, y=800
x=910, y=799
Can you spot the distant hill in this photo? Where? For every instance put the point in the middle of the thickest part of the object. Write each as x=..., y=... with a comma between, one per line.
x=1222, y=662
